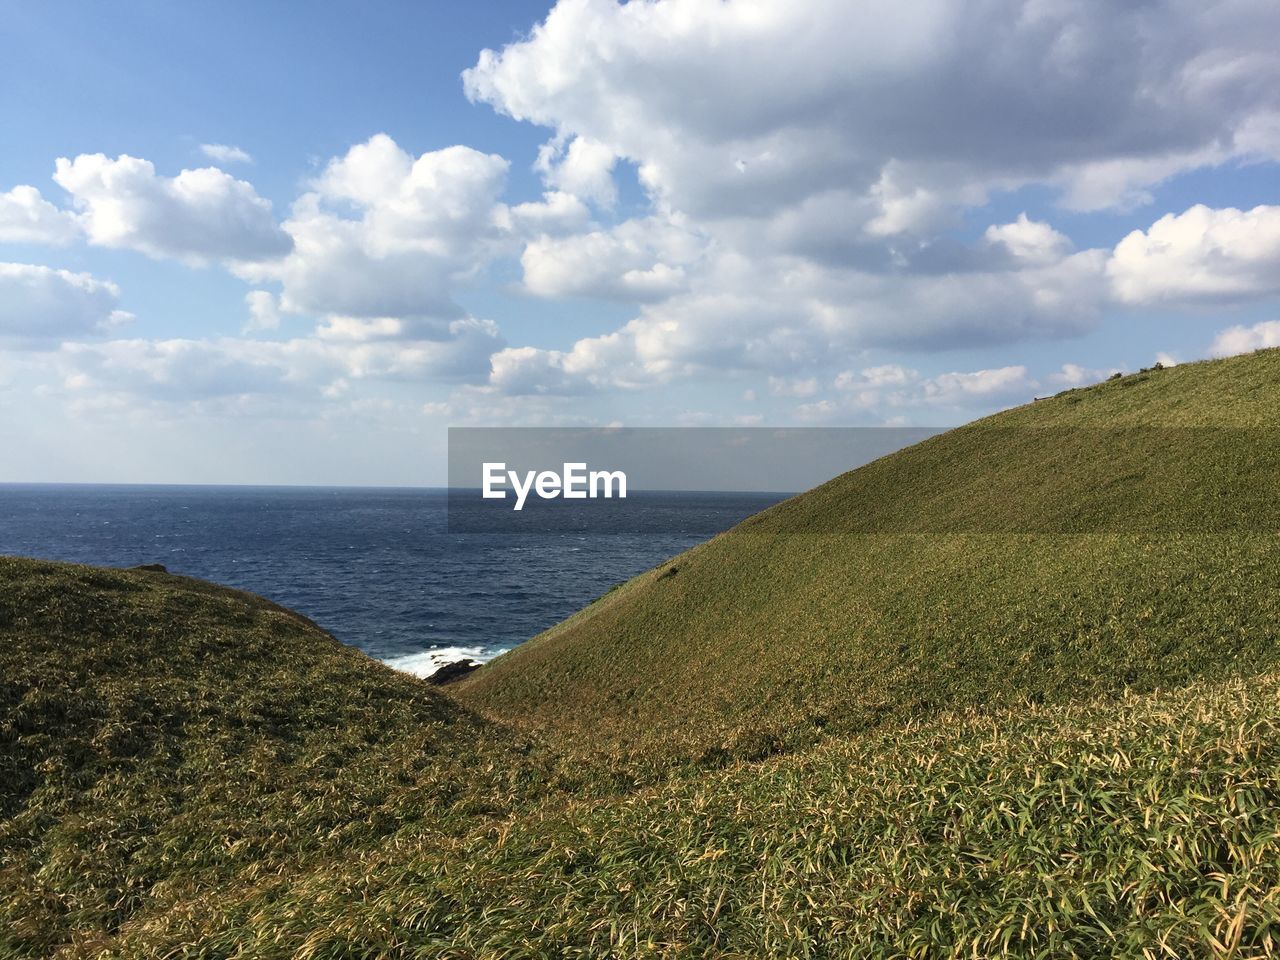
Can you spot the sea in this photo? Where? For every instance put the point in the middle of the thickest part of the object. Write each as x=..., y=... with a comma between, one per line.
x=380, y=568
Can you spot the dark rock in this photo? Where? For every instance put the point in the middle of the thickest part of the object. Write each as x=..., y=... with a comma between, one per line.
x=452, y=671
x=151, y=567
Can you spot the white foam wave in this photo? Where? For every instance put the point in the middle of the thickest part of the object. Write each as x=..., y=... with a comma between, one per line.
x=427, y=662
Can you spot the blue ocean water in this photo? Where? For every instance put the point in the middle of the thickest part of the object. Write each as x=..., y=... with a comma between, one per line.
x=378, y=568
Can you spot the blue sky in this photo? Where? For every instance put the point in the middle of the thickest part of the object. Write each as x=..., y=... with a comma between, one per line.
x=657, y=214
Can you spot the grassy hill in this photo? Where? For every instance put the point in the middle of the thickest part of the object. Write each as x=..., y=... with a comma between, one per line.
x=1145, y=827
x=1117, y=537
x=160, y=736
x=1014, y=691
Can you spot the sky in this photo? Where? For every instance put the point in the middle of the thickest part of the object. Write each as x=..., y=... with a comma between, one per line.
x=284, y=243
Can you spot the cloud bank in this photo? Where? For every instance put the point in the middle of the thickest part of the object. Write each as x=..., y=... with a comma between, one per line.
x=799, y=197
x=805, y=168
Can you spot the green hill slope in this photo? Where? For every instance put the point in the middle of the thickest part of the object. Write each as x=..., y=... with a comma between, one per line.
x=193, y=772
x=1148, y=827
x=160, y=736
x=1120, y=536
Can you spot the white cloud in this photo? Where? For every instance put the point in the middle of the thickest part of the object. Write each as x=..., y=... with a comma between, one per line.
x=197, y=216
x=342, y=266
x=556, y=213
x=733, y=106
x=875, y=391
x=872, y=387
x=190, y=369
x=195, y=370
x=426, y=202
x=461, y=353
x=1242, y=339
x=1029, y=241
x=904, y=206
x=419, y=226
x=40, y=303
x=225, y=153
x=26, y=217
x=781, y=316
x=978, y=387
x=372, y=250
x=1200, y=254
x=813, y=163
x=1123, y=183
x=365, y=329
x=264, y=311
x=638, y=260
x=1077, y=375
x=523, y=371
x=803, y=168
x=584, y=169
x=885, y=375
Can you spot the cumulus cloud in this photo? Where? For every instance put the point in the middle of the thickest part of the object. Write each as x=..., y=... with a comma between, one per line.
x=26, y=217
x=461, y=353
x=264, y=310
x=903, y=204
x=985, y=386
x=556, y=213
x=730, y=106
x=225, y=153
x=811, y=168
x=1056, y=299
x=40, y=303
x=641, y=259
x=372, y=250
x=583, y=169
x=528, y=371
x=804, y=172
x=1242, y=339
x=785, y=316
x=385, y=234
x=198, y=216
x=1201, y=254
x=1029, y=241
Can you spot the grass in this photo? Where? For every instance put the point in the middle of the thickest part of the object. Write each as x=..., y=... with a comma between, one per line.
x=1012, y=692
x=1149, y=826
x=160, y=735
x=1117, y=537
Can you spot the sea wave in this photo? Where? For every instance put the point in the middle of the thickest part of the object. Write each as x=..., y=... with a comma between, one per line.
x=427, y=662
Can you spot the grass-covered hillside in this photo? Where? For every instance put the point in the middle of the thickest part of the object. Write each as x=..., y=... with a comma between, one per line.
x=1146, y=827
x=1121, y=536
x=160, y=737
x=977, y=699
